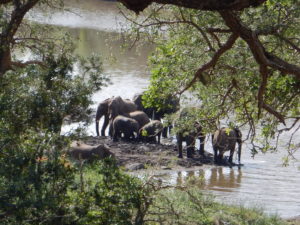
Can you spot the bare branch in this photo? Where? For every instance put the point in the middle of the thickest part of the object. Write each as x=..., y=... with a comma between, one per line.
x=24, y=64
x=273, y=112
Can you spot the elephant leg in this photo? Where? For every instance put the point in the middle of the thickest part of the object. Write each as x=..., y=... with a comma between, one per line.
x=179, y=144
x=220, y=157
x=202, y=140
x=158, y=137
x=97, y=127
x=115, y=135
x=231, y=155
x=170, y=129
x=190, y=150
x=165, y=132
x=111, y=130
x=215, y=154
x=105, y=124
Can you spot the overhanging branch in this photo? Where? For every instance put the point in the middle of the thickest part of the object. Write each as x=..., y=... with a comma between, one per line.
x=211, y=5
x=229, y=43
x=259, y=53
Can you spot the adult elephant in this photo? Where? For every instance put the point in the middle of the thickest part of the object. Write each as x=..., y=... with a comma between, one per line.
x=189, y=134
x=169, y=105
x=102, y=110
x=224, y=140
x=124, y=125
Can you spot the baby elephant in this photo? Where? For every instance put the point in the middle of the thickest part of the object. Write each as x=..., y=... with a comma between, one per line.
x=80, y=151
x=149, y=131
x=126, y=126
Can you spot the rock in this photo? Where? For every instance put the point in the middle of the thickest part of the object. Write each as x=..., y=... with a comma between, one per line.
x=166, y=168
x=80, y=150
x=143, y=148
x=135, y=166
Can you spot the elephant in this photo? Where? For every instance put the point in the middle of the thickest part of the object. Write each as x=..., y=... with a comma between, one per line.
x=124, y=125
x=149, y=132
x=171, y=105
x=102, y=110
x=189, y=135
x=119, y=106
x=137, y=99
x=224, y=140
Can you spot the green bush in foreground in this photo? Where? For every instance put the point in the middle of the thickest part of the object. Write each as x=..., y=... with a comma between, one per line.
x=40, y=185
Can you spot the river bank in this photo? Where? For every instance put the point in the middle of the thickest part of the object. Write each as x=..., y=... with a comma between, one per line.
x=138, y=155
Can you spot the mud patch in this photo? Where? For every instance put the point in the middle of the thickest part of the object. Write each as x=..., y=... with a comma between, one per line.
x=138, y=155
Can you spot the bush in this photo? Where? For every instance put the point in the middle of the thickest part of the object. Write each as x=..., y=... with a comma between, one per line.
x=39, y=185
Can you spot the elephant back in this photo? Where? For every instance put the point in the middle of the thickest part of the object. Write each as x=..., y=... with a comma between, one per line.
x=141, y=117
x=225, y=139
x=118, y=106
x=123, y=123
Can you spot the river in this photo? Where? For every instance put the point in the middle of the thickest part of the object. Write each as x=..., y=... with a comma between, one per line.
x=261, y=182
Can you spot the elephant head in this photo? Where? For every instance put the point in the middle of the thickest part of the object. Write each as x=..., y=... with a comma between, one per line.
x=102, y=110
x=224, y=140
x=149, y=131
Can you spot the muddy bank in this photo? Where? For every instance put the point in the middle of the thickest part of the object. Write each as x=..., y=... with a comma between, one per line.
x=138, y=155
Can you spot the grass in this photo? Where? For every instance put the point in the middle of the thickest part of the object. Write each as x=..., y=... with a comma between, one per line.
x=190, y=205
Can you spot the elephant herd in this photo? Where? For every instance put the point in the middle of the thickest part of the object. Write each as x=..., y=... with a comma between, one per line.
x=130, y=120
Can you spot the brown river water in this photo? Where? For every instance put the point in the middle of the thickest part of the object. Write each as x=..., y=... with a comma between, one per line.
x=261, y=182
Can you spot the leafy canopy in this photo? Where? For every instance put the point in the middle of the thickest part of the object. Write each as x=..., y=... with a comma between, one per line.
x=201, y=56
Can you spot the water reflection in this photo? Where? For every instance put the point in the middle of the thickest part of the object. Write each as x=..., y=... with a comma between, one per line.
x=225, y=181
x=217, y=178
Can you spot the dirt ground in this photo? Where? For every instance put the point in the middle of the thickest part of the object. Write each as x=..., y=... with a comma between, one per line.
x=138, y=155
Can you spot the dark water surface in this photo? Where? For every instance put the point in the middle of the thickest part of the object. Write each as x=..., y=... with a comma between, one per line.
x=261, y=182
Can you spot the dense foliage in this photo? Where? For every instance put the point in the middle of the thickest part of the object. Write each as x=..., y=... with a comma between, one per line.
x=204, y=61
x=40, y=185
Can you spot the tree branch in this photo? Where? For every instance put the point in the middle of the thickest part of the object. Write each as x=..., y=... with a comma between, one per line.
x=261, y=56
x=211, y=5
x=24, y=64
x=198, y=75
